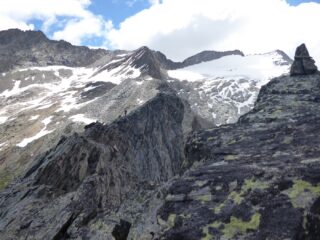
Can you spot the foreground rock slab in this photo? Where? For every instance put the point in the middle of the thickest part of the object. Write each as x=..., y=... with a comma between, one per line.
x=257, y=179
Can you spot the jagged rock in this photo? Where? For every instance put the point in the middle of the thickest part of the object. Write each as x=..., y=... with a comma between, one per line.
x=62, y=193
x=303, y=64
x=206, y=56
x=257, y=179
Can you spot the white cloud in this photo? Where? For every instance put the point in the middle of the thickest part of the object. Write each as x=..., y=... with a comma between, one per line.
x=180, y=28
x=76, y=21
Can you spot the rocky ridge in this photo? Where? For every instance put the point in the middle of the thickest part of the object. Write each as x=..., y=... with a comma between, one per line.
x=33, y=48
x=89, y=175
x=256, y=179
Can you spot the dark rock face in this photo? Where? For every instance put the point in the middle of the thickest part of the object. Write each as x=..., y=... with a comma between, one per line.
x=257, y=179
x=96, y=89
x=303, y=64
x=206, y=56
x=121, y=230
x=87, y=174
x=33, y=48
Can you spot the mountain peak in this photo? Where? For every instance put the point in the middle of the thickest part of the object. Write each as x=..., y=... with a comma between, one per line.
x=303, y=64
x=206, y=56
x=17, y=36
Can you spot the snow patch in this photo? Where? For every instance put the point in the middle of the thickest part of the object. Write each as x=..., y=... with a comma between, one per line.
x=15, y=90
x=261, y=67
x=47, y=120
x=2, y=145
x=139, y=101
x=82, y=118
x=35, y=117
x=40, y=134
x=3, y=119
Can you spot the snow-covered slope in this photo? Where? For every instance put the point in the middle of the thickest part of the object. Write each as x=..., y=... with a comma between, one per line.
x=38, y=105
x=226, y=88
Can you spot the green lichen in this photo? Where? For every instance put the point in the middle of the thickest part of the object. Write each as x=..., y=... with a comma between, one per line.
x=302, y=192
x=211, y=139
x=237, y=226
x=251, y=184
x=205, y=231
x=234, y=227
x=237, y=197
x=218, y=209
x=204, y=198
x=99, y=225
x=233, y=141
x=171, y=220
x=199, y=183
x=288, y=140
x=230, y=157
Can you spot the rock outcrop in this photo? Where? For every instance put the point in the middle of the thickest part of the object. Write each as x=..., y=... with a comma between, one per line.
x=303, y=64
x=32, y=48
x=91, y=174
x=206, y=56
x=257, y=179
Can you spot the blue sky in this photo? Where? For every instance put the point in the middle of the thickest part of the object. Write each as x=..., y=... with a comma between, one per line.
x=179, y=28
x=117, y=10
x=297, y=2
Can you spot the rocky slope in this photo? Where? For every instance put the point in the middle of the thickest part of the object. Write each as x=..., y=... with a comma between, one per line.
x=81, y=182
x=258, y=178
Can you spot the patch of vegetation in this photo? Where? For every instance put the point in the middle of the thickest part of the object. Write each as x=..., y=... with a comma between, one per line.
x=171, y=220
x=237, y=197
x=299, y=191
x=205, y=231
x=204, y=198
x=230, y=157
x=237, y=226
x=234, y=227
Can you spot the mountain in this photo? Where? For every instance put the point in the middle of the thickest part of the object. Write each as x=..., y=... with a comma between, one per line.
x=33, y=48
x=100, y=147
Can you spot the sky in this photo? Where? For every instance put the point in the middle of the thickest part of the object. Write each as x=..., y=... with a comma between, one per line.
x=178, y=28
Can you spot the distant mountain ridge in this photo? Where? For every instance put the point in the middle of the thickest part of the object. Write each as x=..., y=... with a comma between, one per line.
x=32, y=48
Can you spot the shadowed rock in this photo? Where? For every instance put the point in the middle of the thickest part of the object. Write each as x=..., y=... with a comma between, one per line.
x=303, y=64
x=121, y=230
